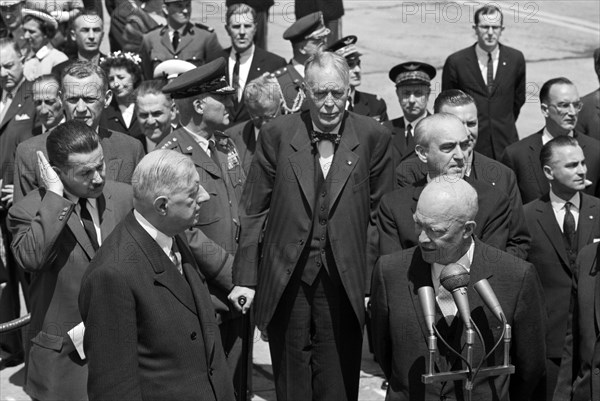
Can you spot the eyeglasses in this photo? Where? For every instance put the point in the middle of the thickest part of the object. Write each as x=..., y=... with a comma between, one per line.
x=486, y=28
x=565, y=107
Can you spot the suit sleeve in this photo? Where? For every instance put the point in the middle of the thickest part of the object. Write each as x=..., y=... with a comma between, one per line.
x=496, y=230
x=569, y=363
x=389, y=239
x=519, y=86
x=528, y=346
x=213, y=261
x=519, y=239
x=380, y=329
x=107, y=307
x=25, y=179
x=254, y=209
x=449, y=78
x=36, y=229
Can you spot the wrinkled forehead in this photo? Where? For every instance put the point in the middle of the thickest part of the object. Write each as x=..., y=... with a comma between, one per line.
x=241, y=18
x=45, y=90
x=82, y=87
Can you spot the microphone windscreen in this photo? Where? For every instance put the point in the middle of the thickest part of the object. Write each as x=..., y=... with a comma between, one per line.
x=454, y=276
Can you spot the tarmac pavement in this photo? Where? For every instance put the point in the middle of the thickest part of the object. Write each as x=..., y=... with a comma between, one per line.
x=557, y=38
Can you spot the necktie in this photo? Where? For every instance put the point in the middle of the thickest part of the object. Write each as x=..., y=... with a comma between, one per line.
x=175, y=40
x=409, y=135
x=88, y=223
x=235, y=79
x=350, y=103
x=213, y=152
x=490, y=73
x=446, y=303
x=317, y=136
x=176, y=257
x=569, y=226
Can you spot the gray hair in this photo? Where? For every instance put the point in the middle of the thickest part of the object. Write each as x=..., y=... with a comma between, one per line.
x=262, y=91
x=325, y=60
x=430, y=124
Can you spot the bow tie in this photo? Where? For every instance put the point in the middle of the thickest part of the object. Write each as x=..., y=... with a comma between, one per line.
x=317, y=136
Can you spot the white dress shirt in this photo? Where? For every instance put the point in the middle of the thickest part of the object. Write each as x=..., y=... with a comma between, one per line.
x=92, y=207
x=482, y=60
x=246, y=58
x=326, y=150
x=558, y=206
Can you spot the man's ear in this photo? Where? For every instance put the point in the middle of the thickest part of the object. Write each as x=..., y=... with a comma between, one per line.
x=72, y=34
x=107, y=98
x=469, y=228
x=161, y=205
x=545, y=109
x=548, y=173
x=198, y=106
x=421, y=153
x=173, y=112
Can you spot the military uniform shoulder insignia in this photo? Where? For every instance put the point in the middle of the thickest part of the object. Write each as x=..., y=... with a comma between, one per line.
x=205, y=27
x=280, y=72
x=170, y=144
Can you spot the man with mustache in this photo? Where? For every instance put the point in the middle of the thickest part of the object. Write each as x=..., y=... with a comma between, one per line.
x=560, y=106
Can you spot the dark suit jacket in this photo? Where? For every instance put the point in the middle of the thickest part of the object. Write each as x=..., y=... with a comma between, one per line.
x=493, y=173
x=163, y=341
x=112, y=119
x=588, y=120
x=283, y=189
x=396, y=226
x=15, y=127
x=370, y=105
x=578, y=379
x=400, y=150
x=498, y=111
x=549, y=256
x=121, y=155
x=244, y=138
x=399, y=329
x=50, y=242
x=523, y=158
x=262, y=61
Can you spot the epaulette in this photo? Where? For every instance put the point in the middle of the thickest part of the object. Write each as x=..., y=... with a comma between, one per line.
x=205, y=27
x=170, y=144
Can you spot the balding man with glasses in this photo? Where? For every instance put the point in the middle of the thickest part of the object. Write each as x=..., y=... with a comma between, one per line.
x=560, y=106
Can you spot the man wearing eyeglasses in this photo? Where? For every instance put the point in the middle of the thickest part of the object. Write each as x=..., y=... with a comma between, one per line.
x=560, y=105
x=494, y=74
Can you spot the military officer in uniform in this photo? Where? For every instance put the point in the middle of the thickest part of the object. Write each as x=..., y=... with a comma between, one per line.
x=308, y=36
x=413, y=86
x=180, y=39
x=11, y=22
x=203, y=98
x=367, y=104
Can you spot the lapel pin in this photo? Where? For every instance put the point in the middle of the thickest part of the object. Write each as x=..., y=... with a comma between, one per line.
x=591, y=217
x=189, y=148
x=504, y=63
x=349, y=162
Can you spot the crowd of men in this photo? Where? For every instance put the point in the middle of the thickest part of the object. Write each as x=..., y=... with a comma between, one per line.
x=152, y=206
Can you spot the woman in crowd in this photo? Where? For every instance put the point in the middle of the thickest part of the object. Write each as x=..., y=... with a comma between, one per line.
x=38, y=30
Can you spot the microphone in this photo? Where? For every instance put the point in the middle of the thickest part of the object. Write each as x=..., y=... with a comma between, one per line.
x=455, y=279
x=427, y=301
x=488, y=296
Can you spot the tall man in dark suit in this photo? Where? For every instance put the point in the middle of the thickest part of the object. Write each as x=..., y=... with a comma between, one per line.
x=17, y=113
x=588, y=121
x=560, y=105
x=444, y=219
x=245, y=61
x=478, y=167
x=494, y=74
x=203, y=98
x=84, y=94
x=413, y=86
x=57, y=230
x=263, y=102
x=315, y=177
x=578, y=379
x=366, y=104
x=561, y=222
x=162, y=341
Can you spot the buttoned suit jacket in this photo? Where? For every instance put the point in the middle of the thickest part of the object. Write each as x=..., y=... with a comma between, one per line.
x=262, y=62
x=282, y=188
x=51, y=243
x=497, y=112
x=400, y=332
x=549, y=256
x=579, y=375
x=198, y=45
x=244, y=138
x=523, y=158
x=163, y=340
x=396, y=226
x=217, y=228
x=370, y=105
x=121, y=155
x=493, y=173
x=15, y=127
x=588, y=119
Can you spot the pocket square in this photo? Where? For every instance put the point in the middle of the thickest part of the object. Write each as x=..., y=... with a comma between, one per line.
x=596, y=240
x=21, y=117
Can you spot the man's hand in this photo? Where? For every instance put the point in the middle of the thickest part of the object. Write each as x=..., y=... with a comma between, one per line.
x=50, y=179
x=237, y=293
x=7, y=195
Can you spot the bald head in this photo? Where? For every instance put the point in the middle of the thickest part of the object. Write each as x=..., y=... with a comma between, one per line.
x=455, y=200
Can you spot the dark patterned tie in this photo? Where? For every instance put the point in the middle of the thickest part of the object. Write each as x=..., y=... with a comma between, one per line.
x=88, y=223
x=235, y=79
x=213, y=152
x=569, y=226
x=175, y=40
x=490, y=73
x=409, y=135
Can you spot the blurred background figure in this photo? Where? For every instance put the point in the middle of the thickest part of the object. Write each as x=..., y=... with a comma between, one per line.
x=588, y=121
x=130, y=20
x=11, y=22
x=262, y=19
x=48, y=106
x=39, y=29
x=332, y=10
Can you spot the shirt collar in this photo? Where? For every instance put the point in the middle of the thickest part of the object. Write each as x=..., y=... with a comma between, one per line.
x=483, y=54
x=243, y=55
x=93, y=202
x=202, y=141
x=414, y=123
x=558, y=203
x=164, y=241
x=43, y=52
x=547, y=136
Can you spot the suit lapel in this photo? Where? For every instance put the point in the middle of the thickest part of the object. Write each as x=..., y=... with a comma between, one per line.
x=586, y=222
x=18, y=100
x=361, y=105
x=344, y=161
x=473, y=65
x=80, y=235
x=500, y=70
x=249, y=140
x=596, y=288
x=302, y=160
x=185, y=39
x=201, y=159
x=534, y=161
x=547, y=220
